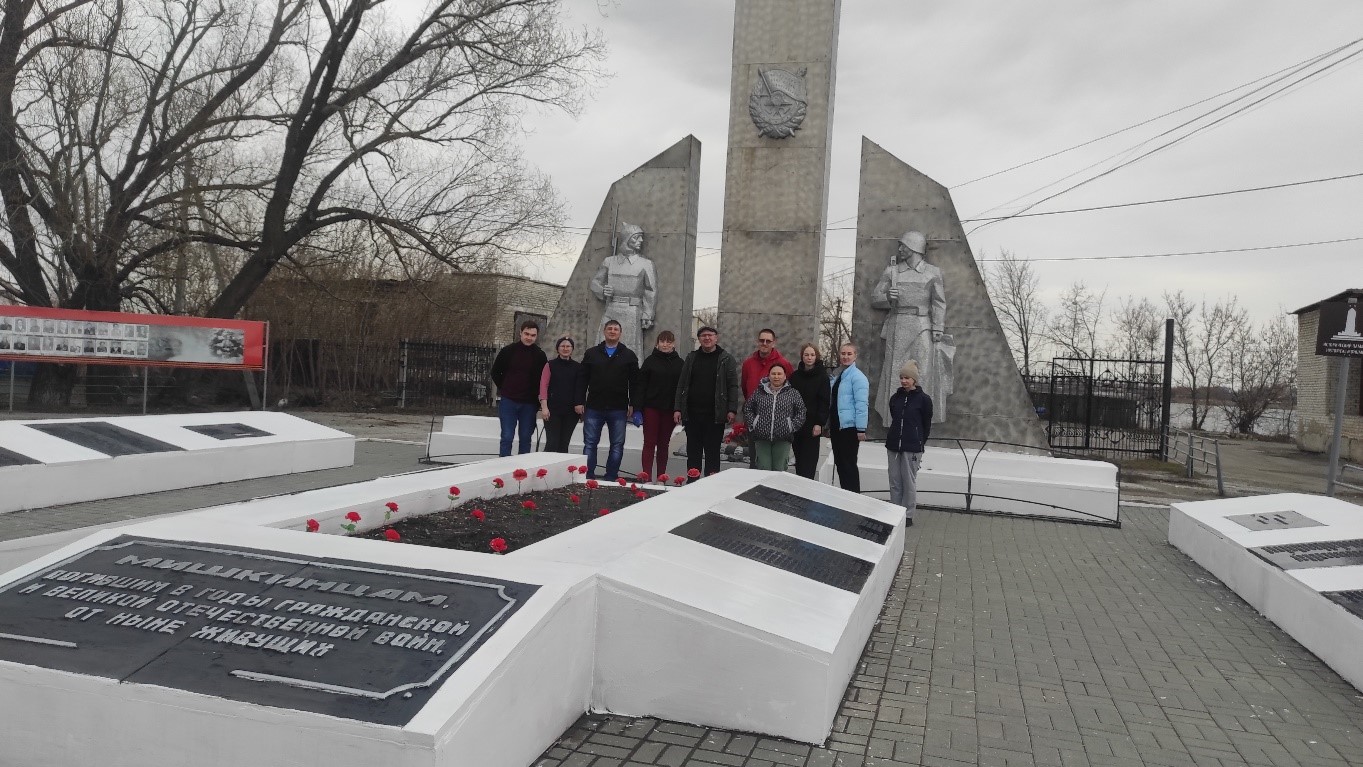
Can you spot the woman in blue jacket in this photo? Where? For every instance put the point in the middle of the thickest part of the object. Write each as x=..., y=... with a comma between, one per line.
x=910, y=425
x=851, y=400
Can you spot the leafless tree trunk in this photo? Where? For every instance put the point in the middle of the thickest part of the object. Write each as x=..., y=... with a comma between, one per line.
x=1014, y=289
x=1074, y=326
x=1261, y=368
x=1202, y=341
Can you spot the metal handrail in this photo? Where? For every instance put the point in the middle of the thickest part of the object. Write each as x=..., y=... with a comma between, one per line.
x=1345, y=467
x=1189, y=449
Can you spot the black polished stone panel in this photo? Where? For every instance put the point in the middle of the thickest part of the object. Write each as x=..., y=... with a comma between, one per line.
x=104, y=437
x=1298, y=556
x=1276, y=520
x=821, y=514
x=347, y=639
x=783, y=552
x=229, y=431
x=11, y=458
x=1349, y=600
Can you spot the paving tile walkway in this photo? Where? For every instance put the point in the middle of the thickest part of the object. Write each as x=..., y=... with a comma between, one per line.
x=1016, y=643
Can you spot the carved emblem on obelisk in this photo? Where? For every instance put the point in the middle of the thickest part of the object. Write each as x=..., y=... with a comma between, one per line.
x=778, y=102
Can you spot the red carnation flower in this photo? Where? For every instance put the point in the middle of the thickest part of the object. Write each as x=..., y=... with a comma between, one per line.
x=582, y=470
x=392, y=534
x=572, y=469
x=314, y=525
x=454, y=491
x=542, y=473
x=603, y=512
x=641, y=495
x=519, y=474
x=592, y=484
x=663, y=478
x=498, y=483
x=574, y=498
x=497, y=544
x=633, y=488
x=622, y=481
x=643, y=476
x=693, y=473
x=529, y=506
x=353, y=516
x=478, y=514
x=679, y=481
x=391, y=506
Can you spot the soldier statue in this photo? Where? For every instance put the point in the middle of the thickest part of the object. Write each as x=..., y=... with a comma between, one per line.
x=628, y=284
x=911, y=289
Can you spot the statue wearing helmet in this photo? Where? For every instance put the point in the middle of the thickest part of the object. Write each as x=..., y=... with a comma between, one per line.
x=911, y=290
x=628, y=284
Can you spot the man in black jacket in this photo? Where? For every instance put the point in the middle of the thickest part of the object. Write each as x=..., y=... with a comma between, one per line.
x=708, y=397
x=516, y=371
x=605, y=396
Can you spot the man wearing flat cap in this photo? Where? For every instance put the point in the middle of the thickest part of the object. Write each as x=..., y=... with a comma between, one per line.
x=911, y=291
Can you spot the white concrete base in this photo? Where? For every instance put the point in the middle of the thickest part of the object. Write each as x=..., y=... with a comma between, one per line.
x=999, y=483
x=1290, y=598
x=464, y=438
x=70, y=473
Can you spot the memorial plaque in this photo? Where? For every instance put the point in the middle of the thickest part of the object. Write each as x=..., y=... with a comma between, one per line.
x=229, y=431
x=783, y=552
x=104, y=437
x=347, y=639
x=821, y=514
x=11, y=458
x=1277, y=520
x=1299, y=556
x=1349, y=600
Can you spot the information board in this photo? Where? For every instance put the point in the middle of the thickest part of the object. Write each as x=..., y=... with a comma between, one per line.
x=114, y=338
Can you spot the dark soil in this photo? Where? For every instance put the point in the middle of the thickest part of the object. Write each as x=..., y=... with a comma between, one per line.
x=506, y=518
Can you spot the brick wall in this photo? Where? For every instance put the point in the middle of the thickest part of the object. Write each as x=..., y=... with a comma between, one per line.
x=1316, y=396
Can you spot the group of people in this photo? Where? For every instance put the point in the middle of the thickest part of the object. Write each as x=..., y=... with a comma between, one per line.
x=786, y=408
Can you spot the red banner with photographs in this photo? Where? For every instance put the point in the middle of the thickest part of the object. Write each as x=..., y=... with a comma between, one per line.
x=36, y=334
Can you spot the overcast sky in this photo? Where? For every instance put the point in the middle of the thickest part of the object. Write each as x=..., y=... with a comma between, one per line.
x=963, y=89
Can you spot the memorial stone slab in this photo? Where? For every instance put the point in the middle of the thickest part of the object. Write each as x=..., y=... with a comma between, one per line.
x=11, y=458
x=355, y=640
x=1278, y=520
x=228, y=431
x=818, y=513
x=1349, y=600
x=1297, y=556
x=784, y=552
x=104, y=437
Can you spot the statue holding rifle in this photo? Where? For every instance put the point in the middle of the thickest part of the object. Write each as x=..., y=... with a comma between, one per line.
x=628, y=284
x=911, y=290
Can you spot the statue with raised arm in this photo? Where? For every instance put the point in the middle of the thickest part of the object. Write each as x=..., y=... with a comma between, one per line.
x=911, y=291
x=628, y=284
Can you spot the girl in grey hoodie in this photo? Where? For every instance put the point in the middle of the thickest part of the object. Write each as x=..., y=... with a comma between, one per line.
x=773, y=414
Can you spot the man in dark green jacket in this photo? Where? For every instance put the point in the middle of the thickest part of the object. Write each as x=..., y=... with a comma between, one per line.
x=708, y=397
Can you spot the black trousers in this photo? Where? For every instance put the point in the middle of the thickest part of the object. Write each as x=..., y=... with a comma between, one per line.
x=703, y=437
x=558, y=432
x=806, y=449
x=845, y=447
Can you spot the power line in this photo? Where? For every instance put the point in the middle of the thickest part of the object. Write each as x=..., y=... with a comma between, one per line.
x=1166, y=199
x=1186, y=253
x=1142, y=123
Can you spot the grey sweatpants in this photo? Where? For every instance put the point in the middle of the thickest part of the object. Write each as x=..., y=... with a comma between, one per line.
x=903, y=479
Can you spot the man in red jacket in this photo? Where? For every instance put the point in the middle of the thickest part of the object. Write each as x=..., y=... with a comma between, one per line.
x=756, y=366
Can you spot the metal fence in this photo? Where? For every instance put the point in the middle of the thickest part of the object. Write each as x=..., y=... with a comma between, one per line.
x=1197, y=454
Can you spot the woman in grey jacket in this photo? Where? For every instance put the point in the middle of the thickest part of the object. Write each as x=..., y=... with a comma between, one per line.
x=773, y=414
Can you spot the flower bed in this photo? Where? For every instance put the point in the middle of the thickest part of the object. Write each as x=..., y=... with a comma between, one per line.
x=514, y=520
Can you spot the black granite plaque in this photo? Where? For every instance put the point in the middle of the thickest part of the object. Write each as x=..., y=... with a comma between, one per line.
x=11, y=458
x=1298, y=556
x=1349, y=600
x=104, y=437
x=347, y=639
x=229, y=431
x=1275, y=520
x=821, y=514
x=783, y=552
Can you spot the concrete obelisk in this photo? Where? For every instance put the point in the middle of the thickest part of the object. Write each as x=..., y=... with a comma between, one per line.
x=776, y=184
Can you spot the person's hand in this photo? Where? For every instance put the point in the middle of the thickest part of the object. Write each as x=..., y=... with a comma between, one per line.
x=730, y=416
x=608, y=291
x=676, y=417
x=937, y=335
x=861, y=436
x=629, y=412
x=893, y=295
x=579, y=409
x=818, y=430
x=647, y=323
x=544, y=414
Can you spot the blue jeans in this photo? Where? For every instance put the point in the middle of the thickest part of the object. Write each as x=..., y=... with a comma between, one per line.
x=514, y=414
x=591, y=437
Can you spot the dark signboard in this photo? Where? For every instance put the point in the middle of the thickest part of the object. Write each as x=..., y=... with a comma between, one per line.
x=1298, y=556
x=11, y=458
x=347, y=639
x=783, y=552
x=228, y=431
x=818, y=513
x=1340, y=330
x=104, y=437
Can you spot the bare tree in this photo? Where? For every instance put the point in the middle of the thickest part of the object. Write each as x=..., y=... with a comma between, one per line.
x=1014, y=289
x=835, y=313
x=1202, y=339
x=1074, y=326
x=1261, y=368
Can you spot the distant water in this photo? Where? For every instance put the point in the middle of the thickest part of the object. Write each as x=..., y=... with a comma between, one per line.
x=1275, y=423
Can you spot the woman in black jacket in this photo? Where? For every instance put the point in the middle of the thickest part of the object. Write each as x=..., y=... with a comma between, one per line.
x=658, y=376
x=558, y=394
x=811, y=380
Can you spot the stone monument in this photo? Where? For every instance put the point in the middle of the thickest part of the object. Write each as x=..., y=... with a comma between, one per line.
x=910, y=240
x=638, y=264
x=776, y=183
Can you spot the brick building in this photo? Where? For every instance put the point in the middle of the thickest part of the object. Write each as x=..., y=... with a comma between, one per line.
x=1316, y=378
